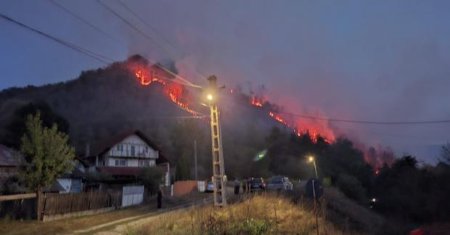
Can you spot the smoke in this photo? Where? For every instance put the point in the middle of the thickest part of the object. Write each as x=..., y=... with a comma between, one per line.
x=319, y=59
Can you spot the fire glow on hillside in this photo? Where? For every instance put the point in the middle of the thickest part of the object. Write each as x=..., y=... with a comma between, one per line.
x=299, y=127
x=146, y=76
x=177, y=94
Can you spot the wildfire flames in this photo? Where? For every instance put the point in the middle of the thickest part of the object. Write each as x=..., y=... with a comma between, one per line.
x=299, y=127
x=178, y=94
x=174, y=91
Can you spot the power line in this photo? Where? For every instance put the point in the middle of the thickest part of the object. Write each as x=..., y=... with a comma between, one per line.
x=79, y=49
x=70, y=45
x=201, y=116
x=143, y=21
x=367, y=121
x=128, y=23
x=309, y=116
x=124, y=20
x=73, y=14
x=106, y=60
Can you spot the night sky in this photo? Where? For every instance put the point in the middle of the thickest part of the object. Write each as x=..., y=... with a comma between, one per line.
x=359, y=60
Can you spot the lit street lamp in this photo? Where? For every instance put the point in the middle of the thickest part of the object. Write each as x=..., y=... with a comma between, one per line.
x=313, y=184
x=209, y=97
x=311, y=159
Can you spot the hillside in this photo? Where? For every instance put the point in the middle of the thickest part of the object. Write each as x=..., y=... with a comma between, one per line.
x=107, y=101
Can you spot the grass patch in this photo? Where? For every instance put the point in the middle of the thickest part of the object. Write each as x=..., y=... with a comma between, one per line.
x=261, y=214
x=69, y=225
x=14, y=227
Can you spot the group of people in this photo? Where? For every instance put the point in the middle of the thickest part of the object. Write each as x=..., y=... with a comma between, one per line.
x=245, y=184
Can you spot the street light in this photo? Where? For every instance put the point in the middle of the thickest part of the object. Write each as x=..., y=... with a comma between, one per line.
x=311, y=159
x=209, y=97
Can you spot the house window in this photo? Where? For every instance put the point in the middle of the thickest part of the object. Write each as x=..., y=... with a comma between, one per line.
x=144, y=163
x=120, y=162
x=132, y=150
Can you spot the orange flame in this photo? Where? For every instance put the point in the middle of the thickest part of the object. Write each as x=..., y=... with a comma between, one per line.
x=256, y=101
x=174, y=91
x=313, y=128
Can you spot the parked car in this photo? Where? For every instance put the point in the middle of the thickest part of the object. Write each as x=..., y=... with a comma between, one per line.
x=209, y=187
x=279, y=183
x=256, y=184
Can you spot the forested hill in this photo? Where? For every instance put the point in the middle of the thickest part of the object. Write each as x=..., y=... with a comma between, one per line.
x=108, y=101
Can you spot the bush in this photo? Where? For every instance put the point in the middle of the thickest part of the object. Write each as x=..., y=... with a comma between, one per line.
x=151, y=177
x=352, y=188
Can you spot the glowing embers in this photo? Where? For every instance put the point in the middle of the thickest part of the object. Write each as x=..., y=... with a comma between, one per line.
x=176, y=94
x=255, y=101
x=174, y=91
x=314, y=129
x=143, y=79
x=278, y=118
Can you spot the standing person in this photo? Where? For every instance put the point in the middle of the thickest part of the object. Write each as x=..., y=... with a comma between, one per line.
x=237, y=185
x=159, y=198
x=244, y=185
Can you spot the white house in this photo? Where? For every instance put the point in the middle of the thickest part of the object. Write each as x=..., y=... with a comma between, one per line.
x=126, y=154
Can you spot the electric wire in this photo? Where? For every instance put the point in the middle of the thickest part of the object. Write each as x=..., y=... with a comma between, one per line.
x=107, y=60
x=89, y=53
x=185, y=82
x=147, y=24
x=305, y=116
x=128, y=23
x=81, y=19
x=143, y=21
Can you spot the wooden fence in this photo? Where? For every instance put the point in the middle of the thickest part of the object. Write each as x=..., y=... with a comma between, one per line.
x=57, y=204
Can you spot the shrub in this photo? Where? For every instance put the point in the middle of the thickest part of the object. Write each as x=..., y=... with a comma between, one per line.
x=351, y=187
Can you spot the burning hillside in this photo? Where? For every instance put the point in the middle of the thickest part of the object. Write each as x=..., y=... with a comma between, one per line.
x=315, y=128
x=155, y=74
x=179, y=95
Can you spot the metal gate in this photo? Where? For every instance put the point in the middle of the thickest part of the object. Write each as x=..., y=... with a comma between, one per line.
x=132, y=195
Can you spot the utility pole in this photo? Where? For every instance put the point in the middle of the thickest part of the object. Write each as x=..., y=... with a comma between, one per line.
x=218, y=178
x=195, y=160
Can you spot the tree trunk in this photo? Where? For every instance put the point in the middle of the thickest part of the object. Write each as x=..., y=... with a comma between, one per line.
x=38, y=204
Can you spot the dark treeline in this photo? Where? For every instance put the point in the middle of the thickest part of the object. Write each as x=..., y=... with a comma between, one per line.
x=404, y=191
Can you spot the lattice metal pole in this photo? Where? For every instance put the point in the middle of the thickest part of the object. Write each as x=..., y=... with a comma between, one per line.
x=218, y=178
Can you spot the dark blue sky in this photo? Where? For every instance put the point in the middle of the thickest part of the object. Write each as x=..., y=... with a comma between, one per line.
x=368, y=60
